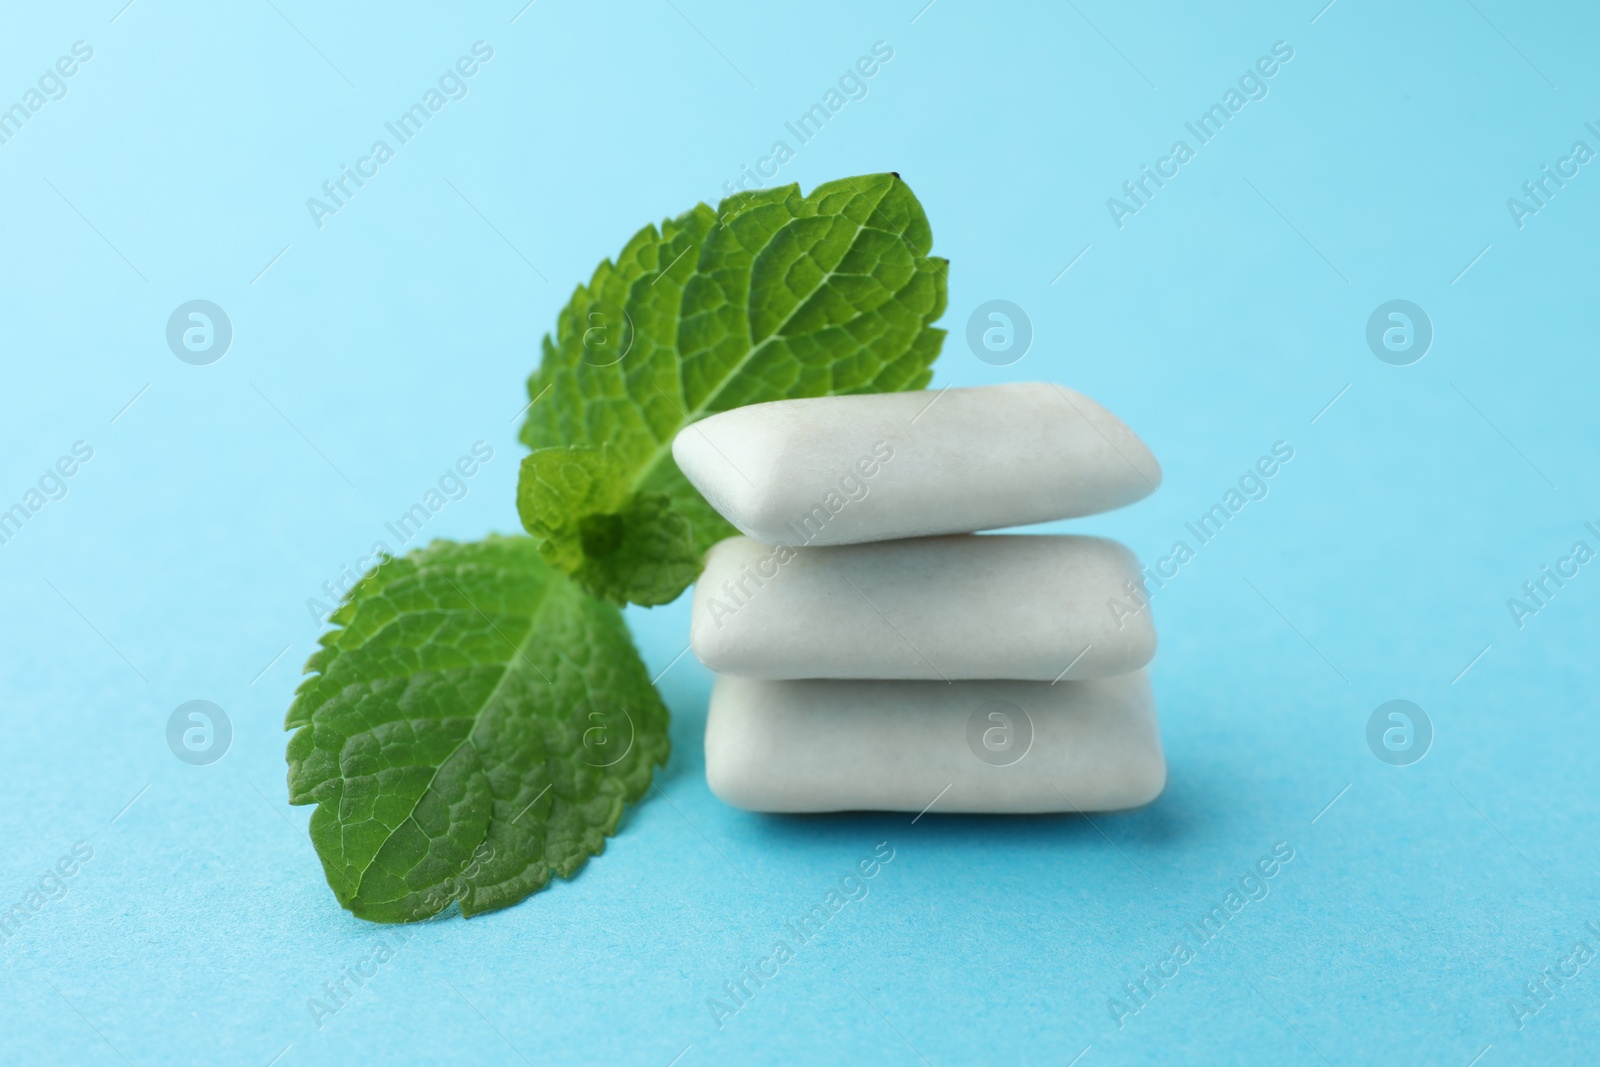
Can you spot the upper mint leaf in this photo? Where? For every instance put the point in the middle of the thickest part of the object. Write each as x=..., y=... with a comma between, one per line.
x=474, y=723
x=773, y=296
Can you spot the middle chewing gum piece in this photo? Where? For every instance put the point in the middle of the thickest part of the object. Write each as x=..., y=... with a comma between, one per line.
x=1032, y=607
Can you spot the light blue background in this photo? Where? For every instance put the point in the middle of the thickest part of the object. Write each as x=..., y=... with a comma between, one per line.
x=1222, y=318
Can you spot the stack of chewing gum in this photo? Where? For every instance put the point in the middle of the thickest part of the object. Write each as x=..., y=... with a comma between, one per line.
x=874, y=653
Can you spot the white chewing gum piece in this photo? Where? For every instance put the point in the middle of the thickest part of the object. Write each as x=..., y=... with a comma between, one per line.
x=847, y=469
x=1029, y=607
x=983, y=747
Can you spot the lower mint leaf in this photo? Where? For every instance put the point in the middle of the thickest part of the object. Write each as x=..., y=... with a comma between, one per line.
x=475, y=722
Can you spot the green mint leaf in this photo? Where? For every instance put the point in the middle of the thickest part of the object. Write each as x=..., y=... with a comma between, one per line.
x=616, y=546
x=773, y=296
x=474, y=723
